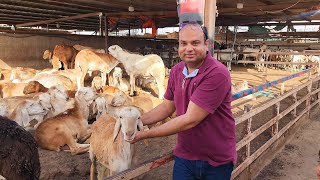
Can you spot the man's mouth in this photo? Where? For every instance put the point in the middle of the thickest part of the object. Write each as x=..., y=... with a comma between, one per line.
x=190, y=55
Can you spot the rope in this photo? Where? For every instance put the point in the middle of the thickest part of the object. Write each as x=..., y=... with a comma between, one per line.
x=261, y=87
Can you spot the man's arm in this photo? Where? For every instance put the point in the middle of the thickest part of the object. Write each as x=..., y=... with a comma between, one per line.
x=190, y=119
x=159, y=113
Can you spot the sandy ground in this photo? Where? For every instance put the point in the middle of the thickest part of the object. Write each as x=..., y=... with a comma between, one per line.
x=298, y=159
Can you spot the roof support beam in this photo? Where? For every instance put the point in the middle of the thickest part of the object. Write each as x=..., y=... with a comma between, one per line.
x=60, y=19
x=150, y=13
x=301, y=5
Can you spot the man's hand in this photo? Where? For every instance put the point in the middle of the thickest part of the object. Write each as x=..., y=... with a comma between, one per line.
x=140, y=135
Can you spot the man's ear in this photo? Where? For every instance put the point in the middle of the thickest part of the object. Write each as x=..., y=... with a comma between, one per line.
x=207, y=44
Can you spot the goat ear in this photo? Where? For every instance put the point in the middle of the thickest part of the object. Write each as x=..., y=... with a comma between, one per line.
x=140, y=125
x=24, y=118
x=116, y=130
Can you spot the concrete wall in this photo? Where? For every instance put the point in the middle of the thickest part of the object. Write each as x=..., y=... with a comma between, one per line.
x=26, y=50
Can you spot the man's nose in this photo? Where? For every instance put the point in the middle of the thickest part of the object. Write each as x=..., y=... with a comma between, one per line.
x=189, y=47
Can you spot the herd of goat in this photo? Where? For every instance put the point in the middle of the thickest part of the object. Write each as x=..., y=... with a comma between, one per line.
x=56, y=105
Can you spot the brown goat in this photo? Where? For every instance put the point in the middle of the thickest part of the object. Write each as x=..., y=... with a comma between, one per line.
x=34, y=87
x=66, y=54
x=67, y=129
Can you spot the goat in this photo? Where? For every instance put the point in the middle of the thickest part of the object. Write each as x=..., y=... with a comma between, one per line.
x=110, y=147
x=41, y=106
x=117, y=80
x=12, y=89
x=27, y=111
x=136, y=64
x=19, y=157
x=67, y=129
x=145, y=101
x=34, y=87
x=88, y=61
x=49, y=80
x=80, y=47
x=65, y=54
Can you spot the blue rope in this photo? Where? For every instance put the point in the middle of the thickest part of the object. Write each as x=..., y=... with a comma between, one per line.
x=254, y=89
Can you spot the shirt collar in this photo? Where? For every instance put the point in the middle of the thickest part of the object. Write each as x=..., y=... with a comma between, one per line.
x=185, y=72
x=209, y=61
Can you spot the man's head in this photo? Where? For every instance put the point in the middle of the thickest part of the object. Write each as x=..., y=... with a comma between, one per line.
x=193, y=43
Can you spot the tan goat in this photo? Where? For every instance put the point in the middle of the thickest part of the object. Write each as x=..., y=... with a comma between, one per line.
x=67, y=129
x=88, y=61
x=109, y=147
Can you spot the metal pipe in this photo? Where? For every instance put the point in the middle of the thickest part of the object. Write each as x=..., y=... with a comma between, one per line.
x=100, y=24
x=106, y=33
x=60, y=19
x=210, y=20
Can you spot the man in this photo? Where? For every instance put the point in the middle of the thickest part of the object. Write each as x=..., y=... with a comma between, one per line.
x=199, y=89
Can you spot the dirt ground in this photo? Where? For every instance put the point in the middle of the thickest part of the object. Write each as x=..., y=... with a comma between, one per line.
x=298, y=159
x=64, y=166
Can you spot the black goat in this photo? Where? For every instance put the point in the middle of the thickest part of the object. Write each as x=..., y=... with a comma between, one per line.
x=19, y=157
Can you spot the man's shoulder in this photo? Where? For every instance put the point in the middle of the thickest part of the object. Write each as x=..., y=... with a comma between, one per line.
x=177, y=67
x=218, y=68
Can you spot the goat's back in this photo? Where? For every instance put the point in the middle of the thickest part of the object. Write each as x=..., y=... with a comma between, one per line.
x=90, y=60
x=19, y=157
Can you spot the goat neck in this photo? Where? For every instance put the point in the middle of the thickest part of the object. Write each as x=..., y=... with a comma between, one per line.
x=81, y=108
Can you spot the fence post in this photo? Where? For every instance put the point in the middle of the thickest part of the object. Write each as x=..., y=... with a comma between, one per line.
x=309, y=75
x=309, y=88
x=318, y=68
x=294, y=96
x=248, y=108
x=275, y=127
x=282, y=89
x=264, y=77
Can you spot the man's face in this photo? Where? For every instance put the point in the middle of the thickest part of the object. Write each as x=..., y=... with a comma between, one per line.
x=192, y=48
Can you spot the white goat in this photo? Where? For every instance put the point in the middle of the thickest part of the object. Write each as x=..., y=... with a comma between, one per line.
x=67, y=129
x=117, y=80
x=109, y=147
x=40, y=107
x=27, y=111
x=136, y=64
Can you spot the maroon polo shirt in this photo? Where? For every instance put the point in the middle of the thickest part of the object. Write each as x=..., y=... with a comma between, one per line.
x=213, y=139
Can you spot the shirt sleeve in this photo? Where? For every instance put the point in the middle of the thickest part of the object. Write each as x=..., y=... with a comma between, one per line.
x=169, y=95
x=211, y=92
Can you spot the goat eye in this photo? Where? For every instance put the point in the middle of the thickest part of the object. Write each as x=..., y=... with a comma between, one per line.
x=138, y=117
x=120, y=117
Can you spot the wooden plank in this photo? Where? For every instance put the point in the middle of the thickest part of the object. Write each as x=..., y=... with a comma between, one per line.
x=135, y=172
x=269, y=103
x=264, y=147
x=248, y=108
x=267, y=125
x=275, y=126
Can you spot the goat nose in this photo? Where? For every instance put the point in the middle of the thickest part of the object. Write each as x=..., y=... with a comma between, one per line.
x=129, y=133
